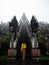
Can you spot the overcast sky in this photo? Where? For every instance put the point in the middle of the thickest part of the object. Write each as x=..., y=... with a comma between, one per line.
x=38, y=8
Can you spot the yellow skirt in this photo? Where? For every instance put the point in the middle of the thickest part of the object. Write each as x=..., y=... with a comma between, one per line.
x=23, y=46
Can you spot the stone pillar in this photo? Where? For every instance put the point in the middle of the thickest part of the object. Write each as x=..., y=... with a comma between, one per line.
x=32, y=41
x=12, y=51
x=12, y=40
x=15, y=43
x=35, y=50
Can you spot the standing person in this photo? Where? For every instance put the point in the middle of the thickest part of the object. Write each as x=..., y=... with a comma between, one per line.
x=23, y=50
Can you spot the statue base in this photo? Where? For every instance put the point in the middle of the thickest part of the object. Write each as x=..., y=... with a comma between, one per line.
x=12, y=53
x=35, y=53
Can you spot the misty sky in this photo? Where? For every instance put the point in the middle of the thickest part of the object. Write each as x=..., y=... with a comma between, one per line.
x=38, y=8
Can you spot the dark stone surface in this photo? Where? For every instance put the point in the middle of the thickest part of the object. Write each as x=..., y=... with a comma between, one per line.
x=24, y=62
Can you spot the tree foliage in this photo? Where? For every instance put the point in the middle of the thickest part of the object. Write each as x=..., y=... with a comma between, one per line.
x=41, y=38
x=5, y=38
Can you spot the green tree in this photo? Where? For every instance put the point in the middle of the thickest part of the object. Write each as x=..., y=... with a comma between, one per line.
x=41, y=41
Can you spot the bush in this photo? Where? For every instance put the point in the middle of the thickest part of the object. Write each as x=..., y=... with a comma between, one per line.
x=5, y=44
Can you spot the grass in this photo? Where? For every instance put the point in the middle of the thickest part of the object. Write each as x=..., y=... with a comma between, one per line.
x=44, y=57
x=4, y=57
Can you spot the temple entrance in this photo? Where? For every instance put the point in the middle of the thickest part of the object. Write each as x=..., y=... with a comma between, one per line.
x=25, y=33
x=24, y=39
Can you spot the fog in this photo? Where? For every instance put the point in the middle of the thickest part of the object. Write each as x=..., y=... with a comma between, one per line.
x=38, y=8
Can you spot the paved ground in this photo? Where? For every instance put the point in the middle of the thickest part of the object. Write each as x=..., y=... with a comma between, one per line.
x=23, y=62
